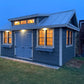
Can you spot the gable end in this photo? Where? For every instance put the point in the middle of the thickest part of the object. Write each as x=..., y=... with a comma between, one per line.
x=73, y=21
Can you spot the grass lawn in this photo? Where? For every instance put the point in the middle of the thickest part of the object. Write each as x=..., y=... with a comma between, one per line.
x=12, y=72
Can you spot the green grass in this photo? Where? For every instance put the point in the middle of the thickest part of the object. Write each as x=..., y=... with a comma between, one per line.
x=79, y=58
x=12, y=72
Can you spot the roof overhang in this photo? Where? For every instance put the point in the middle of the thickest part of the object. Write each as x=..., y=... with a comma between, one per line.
x=28, y=16
x=39, y=27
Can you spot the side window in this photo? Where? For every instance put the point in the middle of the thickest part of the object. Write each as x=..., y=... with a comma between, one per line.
x=69, y=37
x=7, y=37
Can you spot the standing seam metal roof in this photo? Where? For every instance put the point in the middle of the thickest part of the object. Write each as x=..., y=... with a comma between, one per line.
x=60, y=19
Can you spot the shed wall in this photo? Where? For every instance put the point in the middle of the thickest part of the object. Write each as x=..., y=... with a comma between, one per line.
x=5, y=49
x=44, y=56
x=68, y=52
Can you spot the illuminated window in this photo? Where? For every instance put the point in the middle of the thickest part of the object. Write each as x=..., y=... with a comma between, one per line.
x=23, y=22
x=49, y=37
x=17, y=23
x=30, y=21
x=68, y=37
x=41, y=36
x=45, y=37
x=7, y=37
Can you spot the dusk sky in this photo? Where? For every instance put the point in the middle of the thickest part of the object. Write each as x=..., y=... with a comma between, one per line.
x=16, y=8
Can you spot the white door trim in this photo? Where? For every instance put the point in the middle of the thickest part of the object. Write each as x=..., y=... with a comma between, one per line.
x=60, y=47
x=16, y=45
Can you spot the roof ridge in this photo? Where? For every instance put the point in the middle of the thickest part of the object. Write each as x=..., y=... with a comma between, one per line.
x=63, y=11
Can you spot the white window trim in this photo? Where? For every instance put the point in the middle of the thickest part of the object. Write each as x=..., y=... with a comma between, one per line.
x=70, y=45
x=45, y=42
x=7, y=39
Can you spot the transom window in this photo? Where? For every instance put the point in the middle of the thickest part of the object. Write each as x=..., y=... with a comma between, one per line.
x=69, y=37
x=45, y=37
x=17, y=23
x=7, y=37
x=23, y=22
x=29, y=21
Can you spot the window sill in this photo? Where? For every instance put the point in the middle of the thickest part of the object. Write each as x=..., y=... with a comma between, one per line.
x=46, y=49
x=68, y=46
x=7, y=45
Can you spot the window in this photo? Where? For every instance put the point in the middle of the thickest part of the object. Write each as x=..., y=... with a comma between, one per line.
x=30, y=21
x=17, y=23
x=49, y=37
x=45, y=37
x=68, y=37
x=23, y=22
x=41, y=37
x=7, y=37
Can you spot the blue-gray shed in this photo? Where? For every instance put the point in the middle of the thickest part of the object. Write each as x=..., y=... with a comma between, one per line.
x=45, y=38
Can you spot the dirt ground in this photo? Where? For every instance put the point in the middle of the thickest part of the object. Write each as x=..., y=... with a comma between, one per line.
x=75, y=63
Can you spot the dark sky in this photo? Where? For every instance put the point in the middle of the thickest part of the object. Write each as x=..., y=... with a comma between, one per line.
x=16, y=8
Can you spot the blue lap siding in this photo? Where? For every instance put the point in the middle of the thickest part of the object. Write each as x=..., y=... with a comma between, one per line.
x=7, y=50
x=67, y=52
x=46, y=56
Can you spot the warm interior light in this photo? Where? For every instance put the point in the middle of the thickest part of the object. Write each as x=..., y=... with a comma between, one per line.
x=44, y=28
x=30, y=21
x=23, y=22
x=17, y=23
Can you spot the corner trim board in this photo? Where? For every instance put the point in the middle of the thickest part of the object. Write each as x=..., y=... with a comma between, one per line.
x=60, y=47
x=14, y=43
